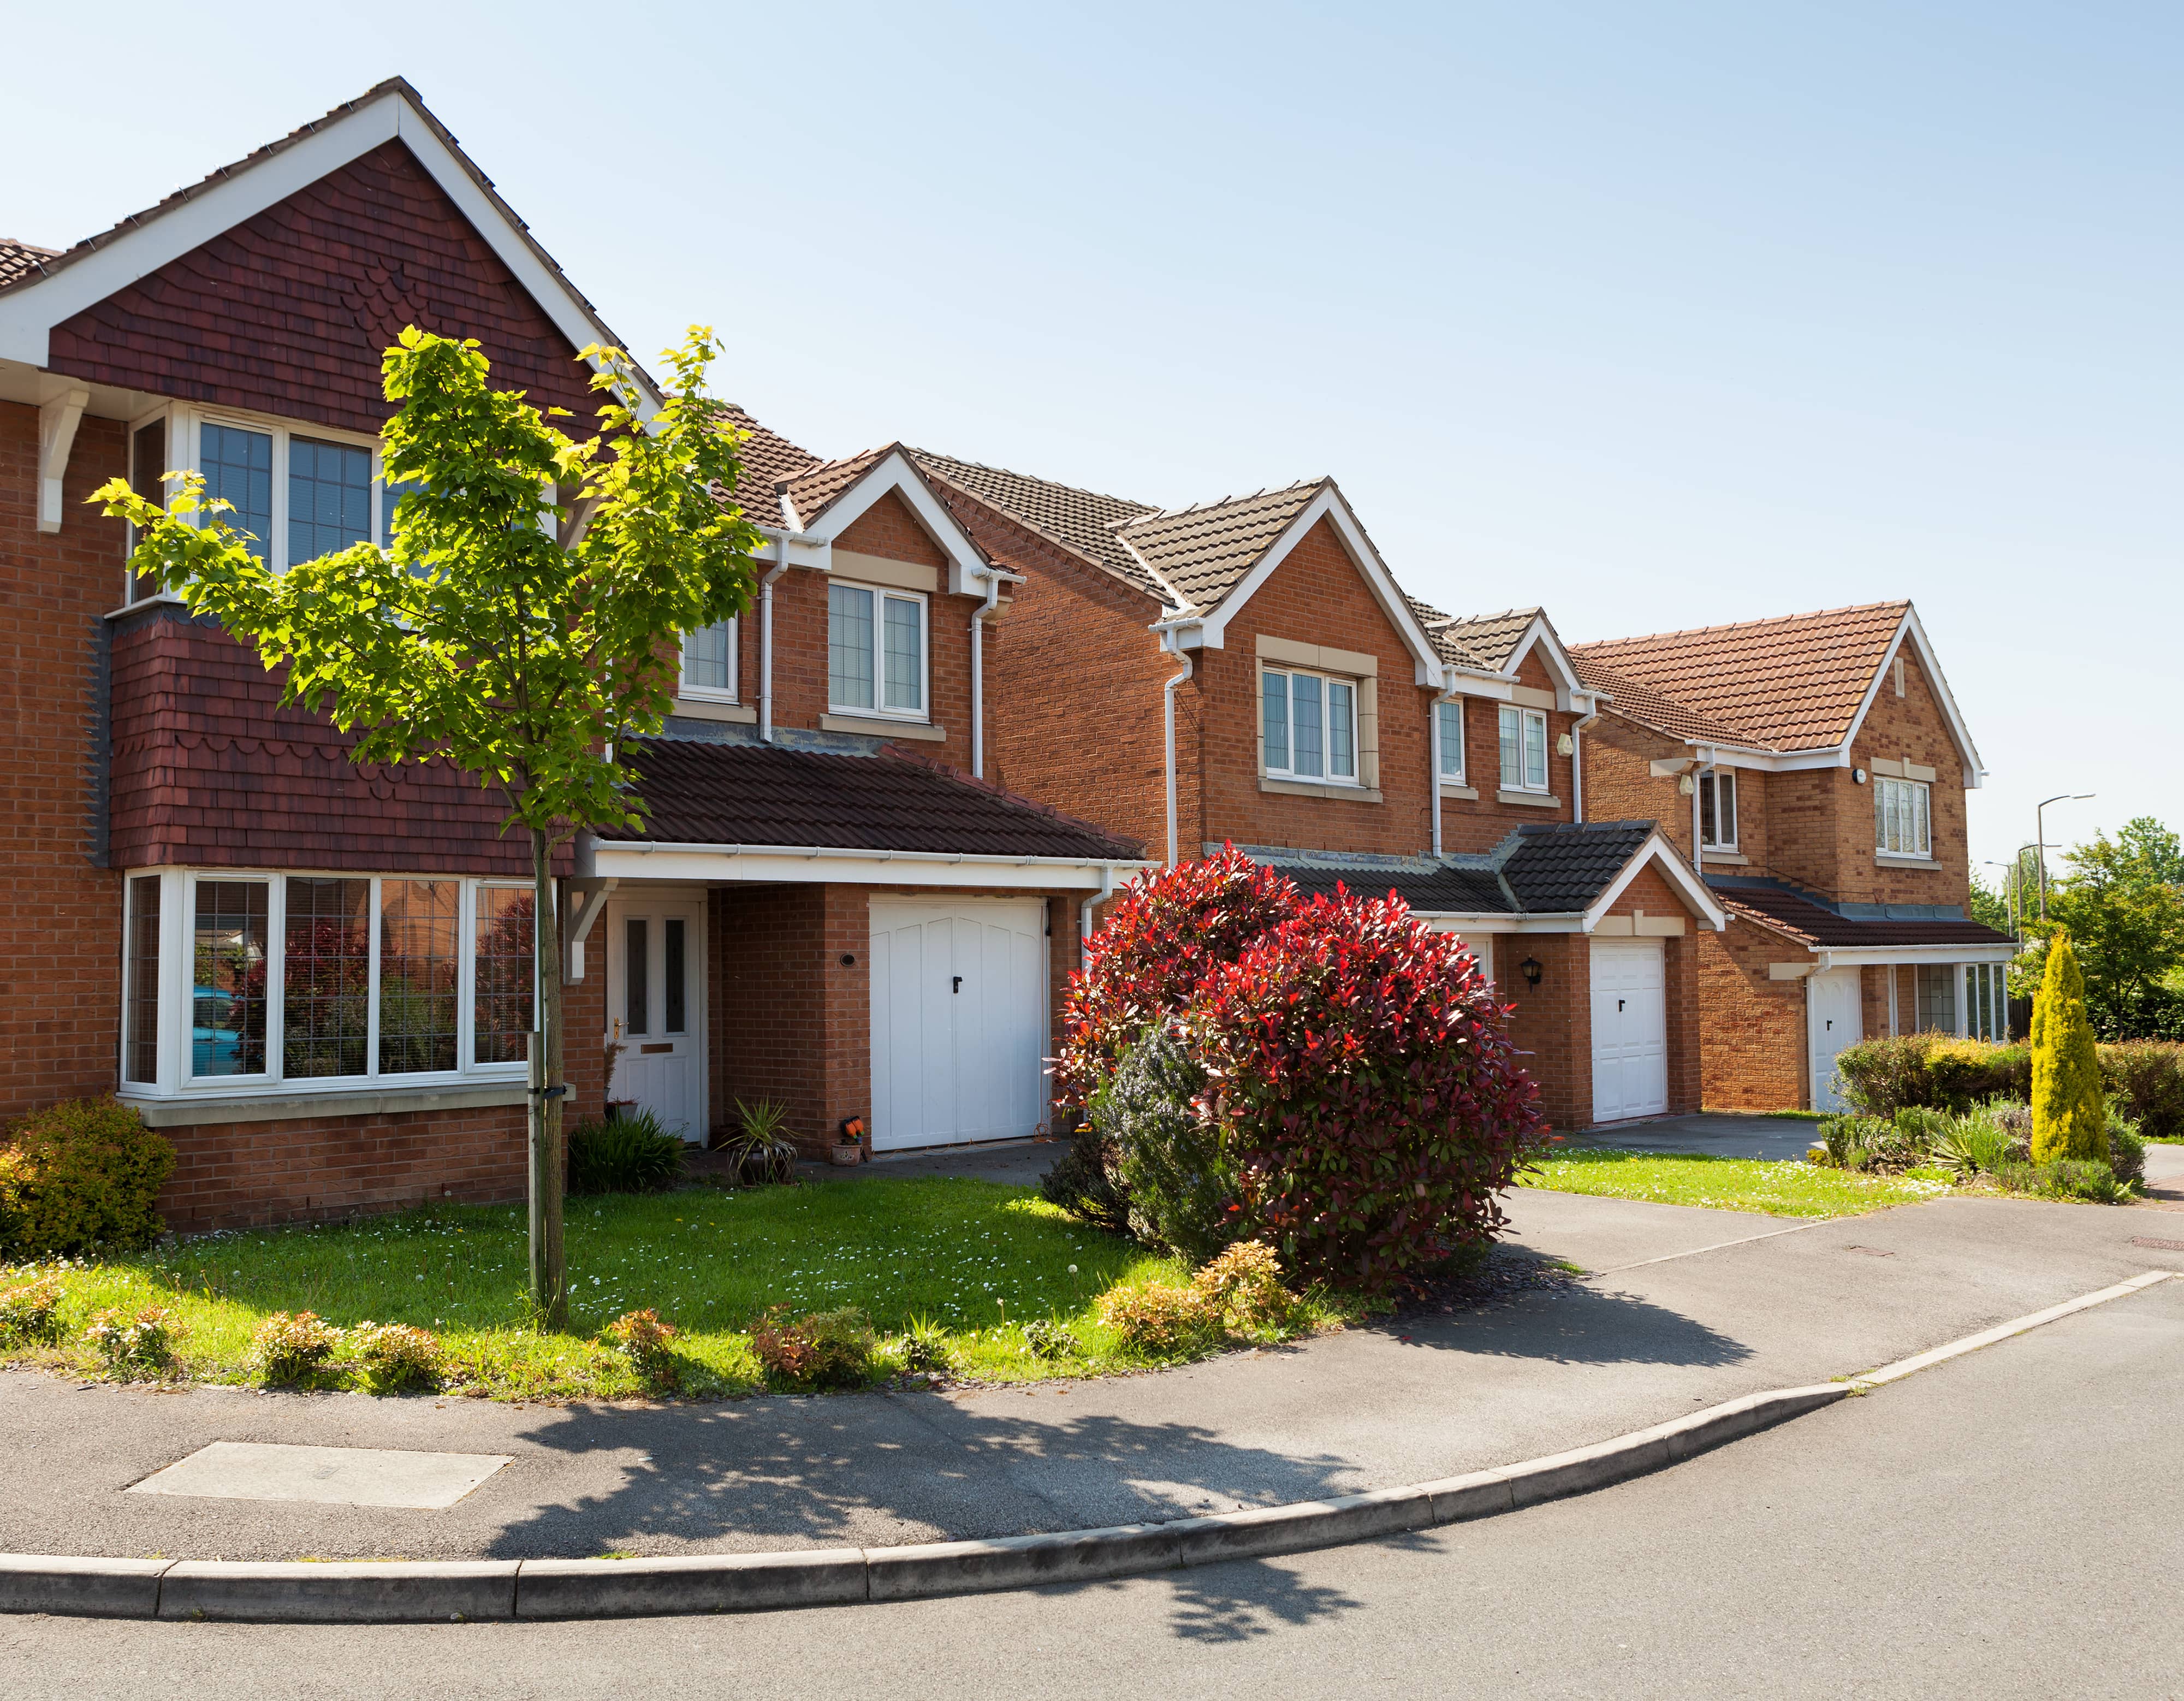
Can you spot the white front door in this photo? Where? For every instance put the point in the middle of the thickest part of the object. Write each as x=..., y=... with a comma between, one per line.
x=958, y=1019
x=656, y=1008
x=1629, y=1029
x=1834, y=1013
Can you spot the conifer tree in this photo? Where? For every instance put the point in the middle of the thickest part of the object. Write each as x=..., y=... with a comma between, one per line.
x=2070, y=1110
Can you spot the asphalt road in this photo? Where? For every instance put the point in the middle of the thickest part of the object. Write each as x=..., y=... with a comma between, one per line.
x=2007, y=1524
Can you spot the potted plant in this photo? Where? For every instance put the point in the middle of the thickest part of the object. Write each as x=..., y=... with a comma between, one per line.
x=849, y=1147
x=759, y=1151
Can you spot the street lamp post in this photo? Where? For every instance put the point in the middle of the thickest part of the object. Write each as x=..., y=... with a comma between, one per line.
x=2009, y=893
x=2039, y=828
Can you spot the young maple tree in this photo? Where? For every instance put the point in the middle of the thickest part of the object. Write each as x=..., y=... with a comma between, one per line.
x=520, y=627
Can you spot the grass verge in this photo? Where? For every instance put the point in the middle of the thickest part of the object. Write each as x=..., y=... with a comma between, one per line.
x=1789, y=1189
x=972, y=1260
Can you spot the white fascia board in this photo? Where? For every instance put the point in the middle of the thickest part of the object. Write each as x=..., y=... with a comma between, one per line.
x=1912, y=629
x=1568, y=685
x=893, y=471
x=1462, y=681
x=1693, y=890
x=1855, y=957
x=29, y=311
x=1501, y=922
x=1330, y=504
x=789, y=864
x=814, y=553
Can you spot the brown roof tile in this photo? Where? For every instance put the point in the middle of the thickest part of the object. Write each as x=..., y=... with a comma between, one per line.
x=20, y=260
x=1650, y=708
x=768, y=457
x=1789, y=683
x=1204, y=552
x=1485, y=640
x=1082, y=521
x=811, y=491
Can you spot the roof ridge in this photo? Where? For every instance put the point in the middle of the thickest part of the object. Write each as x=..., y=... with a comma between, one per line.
x=1222, y=502
x=1030, y=477
x=1744, y=625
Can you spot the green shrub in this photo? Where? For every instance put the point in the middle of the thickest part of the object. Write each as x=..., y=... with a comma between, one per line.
x=1048, y=1338
x=2072, y=1178
x=647, y=1345
x=825, y=1349
x=293, y=1346
x=1243, y=1288
x=2147, y=1077
x=1935, y=1071
x=1159, y=1321
x=923, y=1347
x=83, y=1174
x=1082, y=1183
x=31, y=1311
x=133, y=1342
x=2070, y=1110
x=2127, y=1150
x=628, y=1153
x=1976, y=1143
x=1182, y=1193
x=759, y=1151
x=391, y=1357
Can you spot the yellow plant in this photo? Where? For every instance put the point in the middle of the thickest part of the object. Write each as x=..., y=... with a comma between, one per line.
x=2069, y=1110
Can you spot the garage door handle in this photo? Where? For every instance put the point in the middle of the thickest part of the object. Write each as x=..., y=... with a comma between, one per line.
x=1618, y=1006
x=1831, y=1025
x=958, y=987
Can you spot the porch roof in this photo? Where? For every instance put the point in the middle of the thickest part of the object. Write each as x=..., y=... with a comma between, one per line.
x=1558, y=868
x=702, y=793
x=1820, y=926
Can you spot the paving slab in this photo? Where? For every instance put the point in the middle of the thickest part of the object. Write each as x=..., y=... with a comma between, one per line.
x=329, y=1475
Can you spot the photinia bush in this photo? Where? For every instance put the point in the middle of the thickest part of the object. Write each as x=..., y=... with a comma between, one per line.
x=1167, y=932
x=1369, y=1101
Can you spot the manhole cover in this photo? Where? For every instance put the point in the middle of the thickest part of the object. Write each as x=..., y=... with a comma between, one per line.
x=333, y=1476
x=1870, y=1252
x=2157, y=1245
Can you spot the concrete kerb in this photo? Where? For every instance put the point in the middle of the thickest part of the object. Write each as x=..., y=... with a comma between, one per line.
x=472, y=1590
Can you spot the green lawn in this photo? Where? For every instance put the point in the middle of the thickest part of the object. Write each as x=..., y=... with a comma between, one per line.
x=974, y=1259
x=1788, y=1189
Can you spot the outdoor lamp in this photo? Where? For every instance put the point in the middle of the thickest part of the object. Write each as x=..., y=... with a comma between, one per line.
x=1531, y=969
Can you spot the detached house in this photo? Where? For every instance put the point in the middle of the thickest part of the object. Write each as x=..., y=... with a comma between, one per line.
x=317, y=979
x=1249, y=671
x=1815, y=767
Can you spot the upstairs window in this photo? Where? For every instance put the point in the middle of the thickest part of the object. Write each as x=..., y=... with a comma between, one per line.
x=238, y=468
x=709, y=661
x=875, y=651
x=1309, y=724
x=1523, y=749
x=329, y=497
x=1902, y=826
x=1451, y=741
x=1717, y=809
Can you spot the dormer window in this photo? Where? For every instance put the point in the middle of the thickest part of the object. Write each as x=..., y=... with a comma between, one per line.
x=1523, y=749
x=1309, y=725
x=1451, y=741
x=875, y=651
x=708, y=662
x=1717, y=809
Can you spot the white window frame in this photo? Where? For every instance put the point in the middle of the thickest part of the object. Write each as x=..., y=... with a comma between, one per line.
x=186, y=422
x=882, y=596
x=1713, y=776
x=1526, y=718
x=712, y=694
x=1452, y=710
x=1355, y=687
x=177, y=991
x=1916, y=792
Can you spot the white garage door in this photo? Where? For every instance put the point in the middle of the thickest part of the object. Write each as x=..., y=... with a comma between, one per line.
x=1629, y=1029
x=959, y=1019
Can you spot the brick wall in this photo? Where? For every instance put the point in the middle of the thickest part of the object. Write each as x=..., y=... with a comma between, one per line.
x=1754, y=1040
x=289, y=312
x=1474, y=825
x=1620, y=785
x=1911, y=727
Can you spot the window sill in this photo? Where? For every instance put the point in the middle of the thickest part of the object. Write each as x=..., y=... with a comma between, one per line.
x=1729, y=856
x=881, y=729
x=1898, y=859
x=1468, y=793
x=709, y=709
x=1530, y=799
x=1306, y=788
x=189, y=1110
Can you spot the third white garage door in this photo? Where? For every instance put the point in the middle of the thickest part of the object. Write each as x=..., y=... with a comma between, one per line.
x=959, y=1019
x=1629, y=1029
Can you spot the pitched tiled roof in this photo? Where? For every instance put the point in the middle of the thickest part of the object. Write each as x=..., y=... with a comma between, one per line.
x=768, y=457
x=1082, y=521
x=1791, y=684
x=1816, y=925
x=701, y=793
x=20, y=260
x=811, y=491
x=1652, y=708
x=1553, y=868
x=1486, y=640
x=1451, y=889
x=1204, y=552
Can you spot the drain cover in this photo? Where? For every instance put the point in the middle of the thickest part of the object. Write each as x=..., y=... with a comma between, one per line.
x=333, y=1476
x=2157, y=1245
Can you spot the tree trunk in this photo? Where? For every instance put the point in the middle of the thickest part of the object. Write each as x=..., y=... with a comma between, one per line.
x=550, y=1269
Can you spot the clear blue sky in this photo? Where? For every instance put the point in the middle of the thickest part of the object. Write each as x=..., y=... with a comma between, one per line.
x=1660, y=315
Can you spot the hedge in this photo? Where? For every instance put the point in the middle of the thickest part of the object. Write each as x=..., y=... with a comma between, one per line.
x=2144, y=1078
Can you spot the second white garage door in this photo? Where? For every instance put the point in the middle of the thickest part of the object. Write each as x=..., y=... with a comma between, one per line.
x=959, y=1019
x=1629, y=1029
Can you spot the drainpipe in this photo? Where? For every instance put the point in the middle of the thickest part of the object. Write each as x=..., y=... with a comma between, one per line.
x=980, y=616
x=1578, y=730
x=1433, y=738
x=765, y=640
x=1167, y=695
x=1698, y=857
x=1084, y=909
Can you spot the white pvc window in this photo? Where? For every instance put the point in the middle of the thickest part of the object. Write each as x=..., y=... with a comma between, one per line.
x=709, y=661
x=1523, y=749
x=1308, y=723
x=235, y=981
x=1902, y=826
x=1717, y=809
x=1451, y=741
x=1986, y=1001
x=876, y=651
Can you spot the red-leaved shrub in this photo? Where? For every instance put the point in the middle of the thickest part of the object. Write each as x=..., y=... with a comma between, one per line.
x=1167, y=932
x=1369, y=1101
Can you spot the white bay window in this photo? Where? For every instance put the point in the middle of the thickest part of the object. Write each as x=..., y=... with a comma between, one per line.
x=237, y=982
x=1308, y=725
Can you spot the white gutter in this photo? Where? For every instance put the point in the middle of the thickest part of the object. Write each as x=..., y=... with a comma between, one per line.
x=765, y=640
x=1578, y=730
x=980, y=616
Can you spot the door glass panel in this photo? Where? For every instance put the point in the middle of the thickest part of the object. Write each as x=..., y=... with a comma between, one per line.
x=502, y=1018
x=228, y=1017
x=637, y=975
x=418, y=921
x=326, y=977
x=673, y=1002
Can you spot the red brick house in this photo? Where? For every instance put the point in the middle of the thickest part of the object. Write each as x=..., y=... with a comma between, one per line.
x=316, y=978
x=1249, y=671
x=1815, y=767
